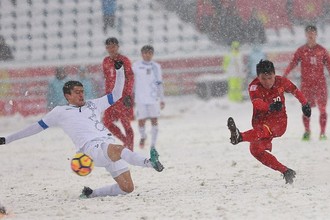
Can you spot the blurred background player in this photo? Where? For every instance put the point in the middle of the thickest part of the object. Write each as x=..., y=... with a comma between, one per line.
x=313, y=57
x=123, y=110
x=54, y=95
x=233, y=67
x=269, y=119
x=149, y=94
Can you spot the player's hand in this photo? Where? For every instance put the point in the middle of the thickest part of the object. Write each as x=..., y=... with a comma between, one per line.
x=275, y=106
x=2, y=140
x=118, y=64
x=306, y=109
x=127, y=100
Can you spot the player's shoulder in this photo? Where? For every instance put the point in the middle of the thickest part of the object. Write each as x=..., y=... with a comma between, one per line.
x=61, y=108
x=320, y=47
x=254, y=85
x=106, y=59
x=123, y=58
x=156, y=63
x=138, y=63
x=57, y=111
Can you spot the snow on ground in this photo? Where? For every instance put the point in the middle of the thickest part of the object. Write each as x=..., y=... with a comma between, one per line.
x=205, y=177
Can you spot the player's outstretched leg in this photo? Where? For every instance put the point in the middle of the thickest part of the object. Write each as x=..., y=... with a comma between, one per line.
x=154, y=160
x=235, y=135
x=288, y=175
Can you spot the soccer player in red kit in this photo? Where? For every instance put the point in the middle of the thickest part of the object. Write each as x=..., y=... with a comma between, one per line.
x=313, y=57
x=269, y=118
x=122, y=111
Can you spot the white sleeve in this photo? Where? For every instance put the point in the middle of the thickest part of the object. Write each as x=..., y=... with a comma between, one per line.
x=26, y=132
x=160, y=84
x=117, y=91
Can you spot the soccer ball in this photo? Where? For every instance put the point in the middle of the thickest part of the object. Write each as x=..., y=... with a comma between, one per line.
x=82, y=164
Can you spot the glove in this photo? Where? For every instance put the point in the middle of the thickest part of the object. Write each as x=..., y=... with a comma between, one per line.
x=127, y=101
x=275, y=106
x=2, y=140
x=118, y=64
x=306, y=109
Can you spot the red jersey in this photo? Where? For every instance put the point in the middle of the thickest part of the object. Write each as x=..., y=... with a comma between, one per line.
x=109, y=72
x=261, y=98
x=312, y=62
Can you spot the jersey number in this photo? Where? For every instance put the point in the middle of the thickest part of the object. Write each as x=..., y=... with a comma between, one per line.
x=277, y=99
x=313, y=60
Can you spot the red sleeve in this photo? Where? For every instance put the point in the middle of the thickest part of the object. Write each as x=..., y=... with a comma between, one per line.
x=326, y=60
x=293, y=63
x=129, y=77
x=260, y=105
x=292, y=88
x=256, y=98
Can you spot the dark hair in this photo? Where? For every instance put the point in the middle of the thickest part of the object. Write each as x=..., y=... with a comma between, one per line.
x=146, y=48
x=111, y=40
x=68, y=86
x=310, y=28
x=265, y=67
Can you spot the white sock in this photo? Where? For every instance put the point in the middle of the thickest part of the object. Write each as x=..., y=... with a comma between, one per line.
x=142, y=131
x=111, y=190
x=134, y=158
x=154, y=134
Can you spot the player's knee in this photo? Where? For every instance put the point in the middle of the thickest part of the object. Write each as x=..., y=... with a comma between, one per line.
x=114, y=151
x=256, y=151
x=127, y=187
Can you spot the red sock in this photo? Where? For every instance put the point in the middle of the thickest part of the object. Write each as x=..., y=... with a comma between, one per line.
x=306, y=123
x=323, y=122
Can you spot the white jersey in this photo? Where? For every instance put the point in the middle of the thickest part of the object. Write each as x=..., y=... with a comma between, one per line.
x=82, y=124
x=148, y=85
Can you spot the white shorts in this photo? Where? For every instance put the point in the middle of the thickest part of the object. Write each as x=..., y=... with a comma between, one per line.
x=144, y=111
x=98, y=150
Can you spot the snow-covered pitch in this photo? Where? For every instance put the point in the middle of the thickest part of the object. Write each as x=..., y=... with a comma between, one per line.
x=205, y=177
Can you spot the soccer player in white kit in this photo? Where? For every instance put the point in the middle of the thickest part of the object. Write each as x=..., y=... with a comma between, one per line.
x=81, y=120
x=149, y=94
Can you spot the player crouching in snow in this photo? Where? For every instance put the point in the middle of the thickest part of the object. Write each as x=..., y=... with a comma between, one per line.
x=269, y=119
x=81, y=120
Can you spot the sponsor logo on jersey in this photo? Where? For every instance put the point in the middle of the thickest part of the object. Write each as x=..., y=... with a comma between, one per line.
x=253, y=87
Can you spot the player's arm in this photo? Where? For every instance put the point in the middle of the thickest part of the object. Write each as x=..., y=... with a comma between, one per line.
x=326, y=60
x=129, y=78
x=292, y=88
x=129, y=83
x=256, y=99
x=26, y=132
x=293, y=63
x=118, y=91
x=160, y=87
x=109, y=99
